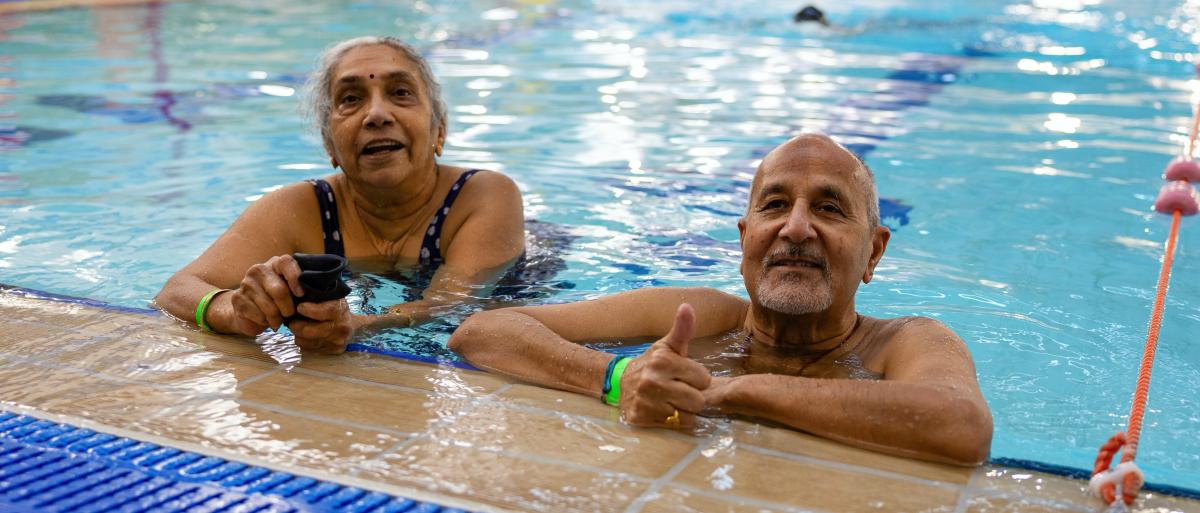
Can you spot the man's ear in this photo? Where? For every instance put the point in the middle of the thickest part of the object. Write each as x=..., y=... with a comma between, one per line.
x=879, y=242
x=742, y=240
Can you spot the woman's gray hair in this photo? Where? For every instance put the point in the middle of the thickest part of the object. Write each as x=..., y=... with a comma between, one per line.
x=319, y=103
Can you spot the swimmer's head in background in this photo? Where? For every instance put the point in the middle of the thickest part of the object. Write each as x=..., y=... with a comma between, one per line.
x=811, y=13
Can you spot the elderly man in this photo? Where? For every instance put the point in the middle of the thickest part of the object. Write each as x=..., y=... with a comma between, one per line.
x=811, y=234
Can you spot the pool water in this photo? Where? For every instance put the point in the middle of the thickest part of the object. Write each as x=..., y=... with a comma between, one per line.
x=1017, y=145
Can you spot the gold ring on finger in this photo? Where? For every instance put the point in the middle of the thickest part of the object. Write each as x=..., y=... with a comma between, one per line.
x=673, y=420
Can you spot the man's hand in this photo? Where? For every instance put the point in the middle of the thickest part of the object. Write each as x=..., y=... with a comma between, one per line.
x=715, y=394
x=264, y=297
x=327, y=328
x=663, y=380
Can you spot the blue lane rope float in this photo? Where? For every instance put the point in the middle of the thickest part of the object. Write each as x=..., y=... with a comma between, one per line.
x=49, y=467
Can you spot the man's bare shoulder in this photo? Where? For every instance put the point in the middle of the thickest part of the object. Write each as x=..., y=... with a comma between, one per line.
x=911, y=326
x=910, y=343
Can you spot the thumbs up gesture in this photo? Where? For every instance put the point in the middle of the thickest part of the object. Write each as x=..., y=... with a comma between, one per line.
x=663, y=387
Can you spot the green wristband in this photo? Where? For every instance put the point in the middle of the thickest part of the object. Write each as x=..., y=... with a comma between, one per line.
x=202, y=309
x=613, y=397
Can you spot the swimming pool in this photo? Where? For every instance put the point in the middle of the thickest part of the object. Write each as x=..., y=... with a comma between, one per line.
x=1018, y=147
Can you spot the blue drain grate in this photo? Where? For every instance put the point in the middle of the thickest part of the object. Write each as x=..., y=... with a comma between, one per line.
x=52, y=468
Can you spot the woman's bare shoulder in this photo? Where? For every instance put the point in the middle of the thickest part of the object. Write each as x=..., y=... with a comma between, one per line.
x=490, y=183
x=288, y=213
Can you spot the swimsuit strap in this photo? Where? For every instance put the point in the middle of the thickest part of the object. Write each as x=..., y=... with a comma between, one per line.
x=329, y=217
x=431, y=247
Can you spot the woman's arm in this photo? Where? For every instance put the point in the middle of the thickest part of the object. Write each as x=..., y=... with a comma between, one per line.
x=253, y=259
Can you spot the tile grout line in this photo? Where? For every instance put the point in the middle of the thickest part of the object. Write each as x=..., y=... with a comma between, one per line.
x=965, y=493
x=164, y=387
x=437, y=425
x=853, y=468
x=571, y=465
x=746, y=500
x=202, y=397
x=257, y=377
x=652, y=491
x=359, y=381
x=489, y=398
x=323, y=419
x=671, y=474
x=544, y=412
x=1025, y=499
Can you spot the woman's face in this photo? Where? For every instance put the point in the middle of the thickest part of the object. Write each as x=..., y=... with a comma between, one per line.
x=382, y=117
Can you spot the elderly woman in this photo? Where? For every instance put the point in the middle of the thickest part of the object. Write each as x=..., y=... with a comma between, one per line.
x=392, y=206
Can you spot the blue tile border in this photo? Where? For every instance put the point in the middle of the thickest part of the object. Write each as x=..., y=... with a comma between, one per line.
x=1077, y=473
x=54, y=467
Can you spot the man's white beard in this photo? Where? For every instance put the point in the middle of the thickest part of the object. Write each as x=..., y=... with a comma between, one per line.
x=790, y=294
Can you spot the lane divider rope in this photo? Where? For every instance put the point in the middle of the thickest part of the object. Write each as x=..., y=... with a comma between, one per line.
x=1177, y=198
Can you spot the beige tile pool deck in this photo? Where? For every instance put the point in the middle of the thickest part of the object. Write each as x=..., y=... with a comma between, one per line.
x=457, y=437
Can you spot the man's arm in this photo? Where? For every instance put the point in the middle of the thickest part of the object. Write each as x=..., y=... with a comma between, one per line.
x=928, y=406
x=539, y=345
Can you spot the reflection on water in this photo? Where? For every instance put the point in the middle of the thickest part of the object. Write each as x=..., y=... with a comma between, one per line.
x=636, y=126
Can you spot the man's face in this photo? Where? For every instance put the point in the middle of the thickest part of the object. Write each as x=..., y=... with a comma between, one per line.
x=807, y=240
x=382, y=118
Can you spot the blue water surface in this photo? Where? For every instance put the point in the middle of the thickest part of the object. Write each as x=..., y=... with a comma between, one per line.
x=1017, y=145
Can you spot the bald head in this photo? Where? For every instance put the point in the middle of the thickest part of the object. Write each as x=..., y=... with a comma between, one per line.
x=819, y=148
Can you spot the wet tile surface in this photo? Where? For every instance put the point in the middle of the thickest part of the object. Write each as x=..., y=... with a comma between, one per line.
x=339, y=400
x=680, y=500
x=509, y=481
x=770, y=478
x=601, y=445
x=794, y=442
x=463, y=435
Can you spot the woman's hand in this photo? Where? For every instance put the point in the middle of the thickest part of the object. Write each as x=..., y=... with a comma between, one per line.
x=664, y=383
x=327, y=327
x=264, y=297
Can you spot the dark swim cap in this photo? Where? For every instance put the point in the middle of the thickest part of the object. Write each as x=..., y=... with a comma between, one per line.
x=810, y=13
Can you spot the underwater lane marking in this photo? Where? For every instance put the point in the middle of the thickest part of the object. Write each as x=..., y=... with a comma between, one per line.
x=911, y=83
